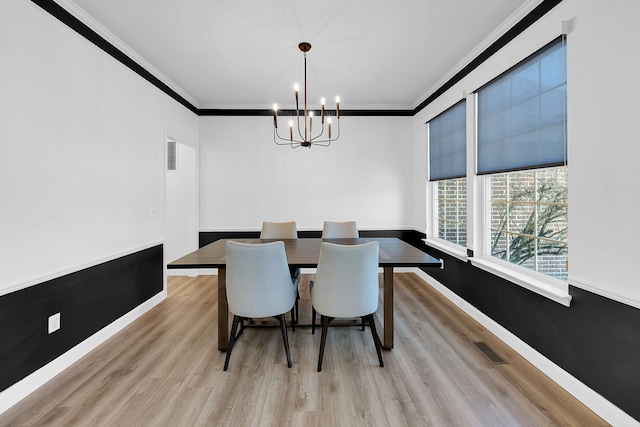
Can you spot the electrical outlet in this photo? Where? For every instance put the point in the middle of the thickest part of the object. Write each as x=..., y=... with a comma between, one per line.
x=54, y=322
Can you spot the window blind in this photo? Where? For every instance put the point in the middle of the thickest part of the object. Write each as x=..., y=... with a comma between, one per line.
x=522, y=115
x=447, y=144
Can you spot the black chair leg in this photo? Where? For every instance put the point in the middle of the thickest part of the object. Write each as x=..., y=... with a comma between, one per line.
x=376, y=338
x=313, y=320
x=295, y=278
x=285, y=338
x=324, y=320
x=293, y=318
x=232, y=340
x=242, y=319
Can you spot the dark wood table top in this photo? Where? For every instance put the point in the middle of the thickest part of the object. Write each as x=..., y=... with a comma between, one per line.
x=304, y=253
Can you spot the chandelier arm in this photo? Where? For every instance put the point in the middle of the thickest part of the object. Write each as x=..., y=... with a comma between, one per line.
x=323, y=143
x=275, y=133
x=318, y=135
x=322, y=132
x=287, y=141
x=302, y=137
x=295, y=143
x=338, y=126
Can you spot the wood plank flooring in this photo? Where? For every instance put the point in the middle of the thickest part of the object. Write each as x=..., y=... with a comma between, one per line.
x=165, y=370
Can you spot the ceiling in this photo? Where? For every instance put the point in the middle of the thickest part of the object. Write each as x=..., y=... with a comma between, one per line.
x=243, y=54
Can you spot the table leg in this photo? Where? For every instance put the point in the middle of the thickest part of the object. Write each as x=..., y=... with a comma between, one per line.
x=223, y=311
x=387, y=280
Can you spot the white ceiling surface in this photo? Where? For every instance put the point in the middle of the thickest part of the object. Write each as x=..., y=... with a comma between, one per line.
x=374, y=54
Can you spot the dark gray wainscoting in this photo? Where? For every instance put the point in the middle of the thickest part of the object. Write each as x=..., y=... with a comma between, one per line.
x=88, y=300
x=596, y=339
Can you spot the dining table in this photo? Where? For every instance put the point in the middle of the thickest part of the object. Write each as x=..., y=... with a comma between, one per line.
x=304, y=253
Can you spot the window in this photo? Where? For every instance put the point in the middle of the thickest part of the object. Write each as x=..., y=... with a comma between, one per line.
x=447, y=168
x=528, y=220
x=522, y=150
x=452, y=210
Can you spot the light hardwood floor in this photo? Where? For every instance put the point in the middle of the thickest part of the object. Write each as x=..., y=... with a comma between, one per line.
x=165, y=370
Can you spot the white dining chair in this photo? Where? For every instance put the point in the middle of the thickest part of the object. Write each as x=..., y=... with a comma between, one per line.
x=336, y=230
x=284, y=230
x=346, y=285
x=279, y=230
x=340, y=230
x=258, y=285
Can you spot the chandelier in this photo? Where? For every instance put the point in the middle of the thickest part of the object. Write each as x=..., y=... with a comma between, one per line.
x=304, y=136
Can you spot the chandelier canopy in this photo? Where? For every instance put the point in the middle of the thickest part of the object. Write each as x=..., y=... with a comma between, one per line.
x=303, y=136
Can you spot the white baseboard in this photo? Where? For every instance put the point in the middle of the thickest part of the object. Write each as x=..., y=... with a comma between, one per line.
x=598, y=404
x=32, y=382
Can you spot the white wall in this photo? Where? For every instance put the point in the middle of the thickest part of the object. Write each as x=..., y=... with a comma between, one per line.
x=82, y=150
x=604, y=145
x=604, y=148
x=245, y=178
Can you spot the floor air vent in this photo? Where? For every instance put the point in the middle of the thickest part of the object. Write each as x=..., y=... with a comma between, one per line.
x=489, y=353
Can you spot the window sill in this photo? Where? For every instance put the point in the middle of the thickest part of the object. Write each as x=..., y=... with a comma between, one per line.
x=549, y=288
x=450, y=249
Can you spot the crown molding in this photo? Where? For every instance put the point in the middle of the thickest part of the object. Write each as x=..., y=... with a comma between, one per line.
x=517, y=23
x=78, y=20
